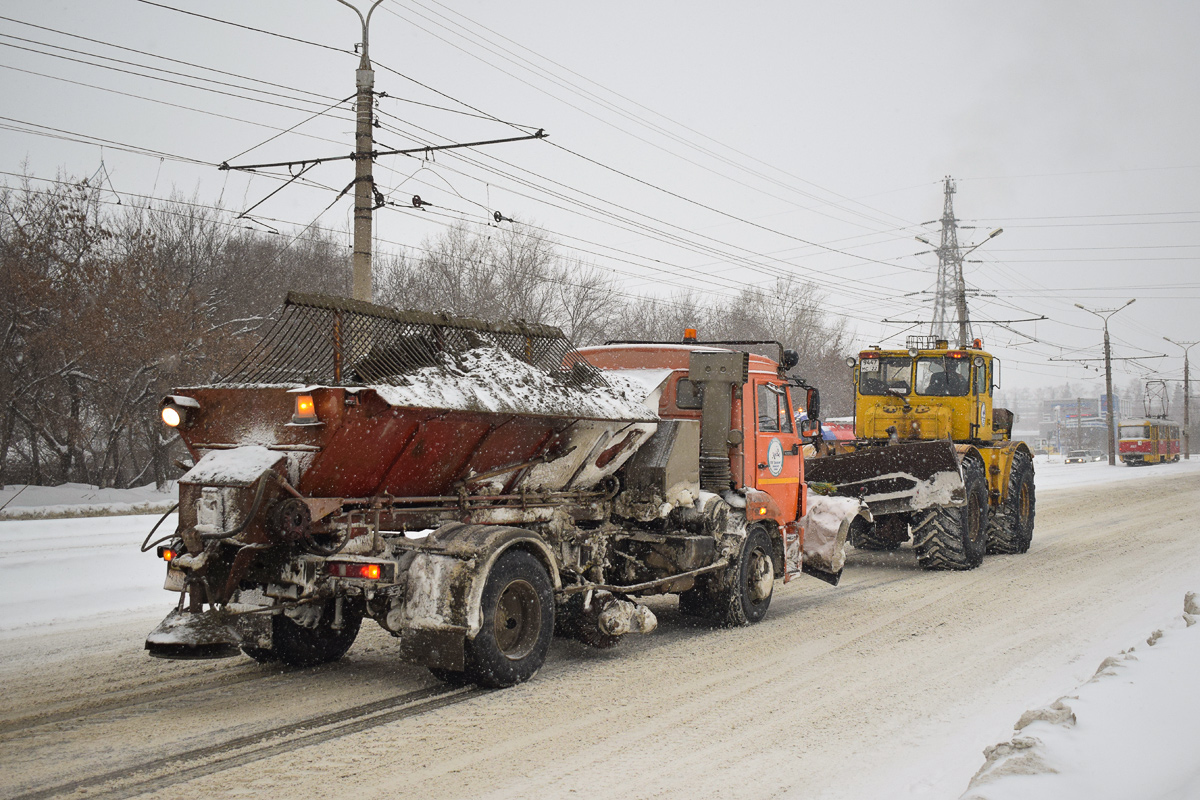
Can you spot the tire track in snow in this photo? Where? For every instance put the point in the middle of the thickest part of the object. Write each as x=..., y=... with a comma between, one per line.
x=248, y=749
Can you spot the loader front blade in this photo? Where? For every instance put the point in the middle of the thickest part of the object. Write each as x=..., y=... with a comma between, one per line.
x=894, y=479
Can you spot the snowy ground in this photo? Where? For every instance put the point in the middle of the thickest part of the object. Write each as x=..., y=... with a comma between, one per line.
x=1132, y=735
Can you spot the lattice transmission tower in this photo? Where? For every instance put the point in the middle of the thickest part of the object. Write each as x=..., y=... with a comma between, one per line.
x=950, y=297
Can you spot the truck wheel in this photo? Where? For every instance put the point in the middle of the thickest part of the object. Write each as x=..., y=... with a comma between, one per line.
x=518, y=622
x=955, y=537
x=749, y=585
x=297, y=645
x=880, y=535
x=1010, y=527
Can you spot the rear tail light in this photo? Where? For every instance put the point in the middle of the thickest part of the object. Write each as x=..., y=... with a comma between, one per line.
x=362, y=571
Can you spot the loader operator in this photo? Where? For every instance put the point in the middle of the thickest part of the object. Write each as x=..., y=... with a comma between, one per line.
x=943, y=379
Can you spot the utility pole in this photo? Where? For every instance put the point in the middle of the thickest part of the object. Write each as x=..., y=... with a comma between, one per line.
x=1078, y=423
x=364, y=181
x=1187, y=420
x=1104, y=314
x=950, y=282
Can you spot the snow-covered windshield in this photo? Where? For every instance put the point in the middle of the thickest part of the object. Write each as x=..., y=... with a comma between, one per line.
x=877, y=375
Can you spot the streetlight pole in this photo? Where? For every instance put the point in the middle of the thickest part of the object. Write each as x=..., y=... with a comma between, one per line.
x=1187, y=420
x=1104, y=314
x=364, y=181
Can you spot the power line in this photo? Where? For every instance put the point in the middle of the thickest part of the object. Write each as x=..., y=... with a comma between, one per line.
x=245, y=27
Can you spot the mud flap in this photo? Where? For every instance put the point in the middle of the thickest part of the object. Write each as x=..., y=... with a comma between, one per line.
x=899, y=478
x=189, y=635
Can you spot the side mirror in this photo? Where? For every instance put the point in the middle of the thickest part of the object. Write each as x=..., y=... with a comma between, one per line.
x=790, y=359
x=812, y=403
x=810, y=428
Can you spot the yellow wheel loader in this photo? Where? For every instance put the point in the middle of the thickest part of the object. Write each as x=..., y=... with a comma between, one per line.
x=932, y=458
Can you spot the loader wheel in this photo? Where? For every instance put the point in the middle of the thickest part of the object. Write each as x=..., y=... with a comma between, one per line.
x=955, y=537
x=887, y=533
x=1010, y=527
x=518, y=623
x=298, y=645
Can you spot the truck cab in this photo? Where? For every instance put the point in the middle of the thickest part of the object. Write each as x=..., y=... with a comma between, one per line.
x=763, y=441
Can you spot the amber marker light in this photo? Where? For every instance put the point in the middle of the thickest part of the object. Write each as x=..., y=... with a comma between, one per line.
x=762, y=511
x=306, y=410
x=171, y=416
x=167, y=554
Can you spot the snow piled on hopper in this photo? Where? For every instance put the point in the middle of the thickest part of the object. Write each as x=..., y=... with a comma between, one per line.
x=489, y=379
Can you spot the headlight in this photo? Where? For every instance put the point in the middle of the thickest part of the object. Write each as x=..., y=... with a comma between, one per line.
x=178, y=411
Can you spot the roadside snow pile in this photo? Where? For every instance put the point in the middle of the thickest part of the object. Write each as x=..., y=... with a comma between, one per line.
x=1130, y=731
x=19, y=501
x=1052, y=473
x=490, y=379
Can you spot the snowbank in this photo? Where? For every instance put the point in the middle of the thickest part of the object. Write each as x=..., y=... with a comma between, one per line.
x=19, y=501
x=1130, y=731
x=71, y=572
x=1051, y=473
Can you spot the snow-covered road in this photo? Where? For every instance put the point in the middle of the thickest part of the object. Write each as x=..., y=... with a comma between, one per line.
x=889, y=685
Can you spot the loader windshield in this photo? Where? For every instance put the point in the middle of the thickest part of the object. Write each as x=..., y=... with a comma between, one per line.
x=878, y=375
x=943, y=376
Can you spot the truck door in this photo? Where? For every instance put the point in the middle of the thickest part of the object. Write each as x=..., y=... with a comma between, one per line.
x=776, y=446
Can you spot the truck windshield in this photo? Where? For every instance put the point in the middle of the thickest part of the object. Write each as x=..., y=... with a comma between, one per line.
x=877, y=375
x=1135, y=432
x=943, y=377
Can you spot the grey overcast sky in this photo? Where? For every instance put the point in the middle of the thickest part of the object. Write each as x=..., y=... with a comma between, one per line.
x=692, y=146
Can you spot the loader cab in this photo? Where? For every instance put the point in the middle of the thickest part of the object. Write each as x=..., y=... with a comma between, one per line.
x=928, y=391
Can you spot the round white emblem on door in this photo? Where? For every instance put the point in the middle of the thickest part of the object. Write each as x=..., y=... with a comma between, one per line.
x=775, y=457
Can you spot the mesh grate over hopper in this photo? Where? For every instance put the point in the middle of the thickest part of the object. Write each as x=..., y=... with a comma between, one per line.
x=333, y=341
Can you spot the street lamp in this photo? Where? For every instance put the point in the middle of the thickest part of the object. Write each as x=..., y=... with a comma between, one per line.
x=1104, y=314
x=1187, y=421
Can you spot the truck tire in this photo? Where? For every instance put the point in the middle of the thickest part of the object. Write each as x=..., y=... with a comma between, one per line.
x=742, y=594
x=749, y=585
x=1010, y=526
x=955, y=537
x=299, y=646
x=880, y=535
x=518, y=623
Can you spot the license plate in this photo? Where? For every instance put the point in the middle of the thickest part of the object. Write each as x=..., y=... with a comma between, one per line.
x=870, y=365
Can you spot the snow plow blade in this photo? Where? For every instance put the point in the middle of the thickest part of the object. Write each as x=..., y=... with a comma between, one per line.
x=188, y=635
x=895, y=479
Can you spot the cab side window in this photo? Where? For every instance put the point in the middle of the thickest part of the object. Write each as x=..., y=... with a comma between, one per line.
x=689, y=395
x=773, y=413
x=768, y=409
x=981, y=380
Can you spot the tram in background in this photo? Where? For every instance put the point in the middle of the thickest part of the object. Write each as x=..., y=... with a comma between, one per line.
x=1148, y=441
